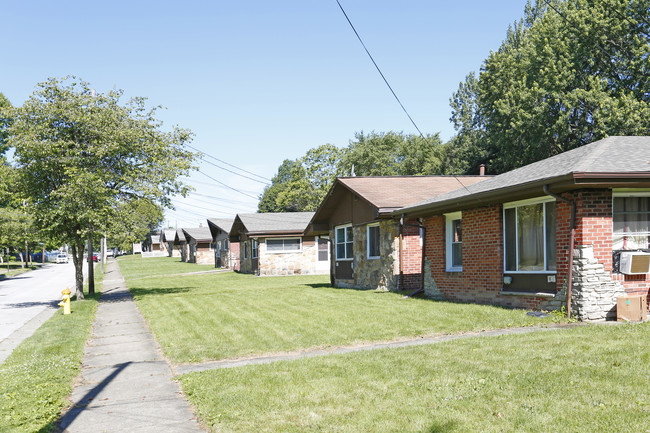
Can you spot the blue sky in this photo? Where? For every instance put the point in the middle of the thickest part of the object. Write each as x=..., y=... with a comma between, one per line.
x=258, y=81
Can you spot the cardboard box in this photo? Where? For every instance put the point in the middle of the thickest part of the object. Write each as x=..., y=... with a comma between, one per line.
x=631, y=308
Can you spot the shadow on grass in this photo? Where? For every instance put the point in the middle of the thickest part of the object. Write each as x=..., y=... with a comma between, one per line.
x=142, y=293
x=439, y=427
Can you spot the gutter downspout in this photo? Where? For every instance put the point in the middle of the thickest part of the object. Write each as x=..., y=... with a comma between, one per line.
x=401, y=253
x=571, y=246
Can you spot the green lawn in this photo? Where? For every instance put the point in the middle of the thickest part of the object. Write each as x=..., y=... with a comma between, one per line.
x=14, y=268
x=38, y=376
x=216, y=316
x=585, y=379
x=136, y=266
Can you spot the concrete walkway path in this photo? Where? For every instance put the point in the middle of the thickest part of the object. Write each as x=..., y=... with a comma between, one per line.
x=311, y=353
x=126, y=385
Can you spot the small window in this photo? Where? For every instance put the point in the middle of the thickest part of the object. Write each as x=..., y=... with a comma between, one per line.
x=323, y=250
x=454, y=247
x=344, y=242
x=245, y=250
x=288, y=245
x=372, y=235
x=254, y=248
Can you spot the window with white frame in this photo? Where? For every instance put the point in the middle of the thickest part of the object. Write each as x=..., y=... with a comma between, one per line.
x=372, y=237
x=631, y=221
x=344, y=241
x=529, y=236
x=454, y=246
x=254, y=248
x=286, y=245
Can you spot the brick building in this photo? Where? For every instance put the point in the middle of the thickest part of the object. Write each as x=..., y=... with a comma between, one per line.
x=199, y=245
x=226, y=253
x=509, y=240
x=372, y=248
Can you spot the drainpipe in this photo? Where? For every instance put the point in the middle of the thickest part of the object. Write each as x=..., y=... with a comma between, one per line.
x=424, y=246
x=571, y=246
x=401, y=253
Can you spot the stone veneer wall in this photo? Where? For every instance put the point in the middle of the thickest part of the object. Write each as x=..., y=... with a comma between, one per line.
x=303, y=262
x=593, y=293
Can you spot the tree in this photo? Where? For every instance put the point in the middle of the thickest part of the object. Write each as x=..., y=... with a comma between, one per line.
x=393, y=154
x=569, y=73
x=4, y=124
x=136, y=220
x=301, y=185
x=83, y=157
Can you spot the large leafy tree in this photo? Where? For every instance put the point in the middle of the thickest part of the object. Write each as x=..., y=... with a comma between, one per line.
x=393, y=154
x=83, y=157
x=301, y=184
x=570, y=72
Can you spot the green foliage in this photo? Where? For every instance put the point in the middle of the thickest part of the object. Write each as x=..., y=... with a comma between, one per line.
x=301, y=185
x=393, y=154
x=566, y=75
x=85, y=159
x=4, y=124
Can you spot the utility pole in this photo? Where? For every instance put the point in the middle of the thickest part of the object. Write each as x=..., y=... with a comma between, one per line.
x=91, y=266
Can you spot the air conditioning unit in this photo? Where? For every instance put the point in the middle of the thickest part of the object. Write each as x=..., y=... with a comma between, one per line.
x=634, y=262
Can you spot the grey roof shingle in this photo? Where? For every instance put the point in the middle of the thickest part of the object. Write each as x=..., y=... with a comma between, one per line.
x=288, y=222
x=615, y=155
x=225, y=224
x=200, y=234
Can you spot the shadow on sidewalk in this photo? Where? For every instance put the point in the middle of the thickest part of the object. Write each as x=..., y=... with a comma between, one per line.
x=68, y=418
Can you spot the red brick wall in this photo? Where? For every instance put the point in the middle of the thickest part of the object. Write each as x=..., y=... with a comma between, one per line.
x=412, y=257
x=482, y=277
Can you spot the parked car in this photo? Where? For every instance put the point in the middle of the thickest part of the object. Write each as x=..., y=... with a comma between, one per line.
x=62, y=258
x=95, y=257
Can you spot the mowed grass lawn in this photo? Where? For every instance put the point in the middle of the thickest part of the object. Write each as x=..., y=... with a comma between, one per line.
x=217, y=316
x=584, y=379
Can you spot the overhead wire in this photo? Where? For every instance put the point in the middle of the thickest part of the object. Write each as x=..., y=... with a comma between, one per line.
x=227, y=186
x=231, y=165
x=379, y=70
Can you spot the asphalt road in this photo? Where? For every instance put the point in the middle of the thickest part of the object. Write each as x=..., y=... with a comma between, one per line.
x=29, y=299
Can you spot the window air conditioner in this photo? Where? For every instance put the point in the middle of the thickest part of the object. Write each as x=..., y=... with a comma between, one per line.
x=634, y=263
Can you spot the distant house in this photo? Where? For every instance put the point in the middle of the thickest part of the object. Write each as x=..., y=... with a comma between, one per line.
x=167, y=242
x=226, y=253
x=275, y=244
x=155, y=243
x=374, y=249
x=509, y=240
x=180, y=246
x=199, y=243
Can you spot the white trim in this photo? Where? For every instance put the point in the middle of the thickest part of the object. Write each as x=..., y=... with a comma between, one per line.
x=630, y=192
x=368, y=256
x=336, y=244
x=449, y=220
x=283, y=250
x=527, y=202
x=255, y=252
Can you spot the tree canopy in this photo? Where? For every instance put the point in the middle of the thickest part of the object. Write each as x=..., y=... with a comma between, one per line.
x=82, y=158
x=567, y=74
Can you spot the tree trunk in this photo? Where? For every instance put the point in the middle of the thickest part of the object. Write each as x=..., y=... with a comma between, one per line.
x=91, y=267
x=78, y=260
x=22, y=262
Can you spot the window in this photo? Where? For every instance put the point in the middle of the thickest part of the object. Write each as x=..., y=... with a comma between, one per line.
x=454, y=247
x=372, y=236
x=631, y=215
x=245, y=250
x=254, y=248
x=529, y=233
x=344, y=240
x=283, y=245
x=323, y=250
x=225, y=244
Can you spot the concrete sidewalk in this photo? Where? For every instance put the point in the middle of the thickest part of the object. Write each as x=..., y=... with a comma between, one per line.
x=126, y=384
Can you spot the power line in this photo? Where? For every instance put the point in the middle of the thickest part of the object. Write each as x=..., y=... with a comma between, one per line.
x=227, y=186
x=379, y=70
x=235, y=173
x=231, y=165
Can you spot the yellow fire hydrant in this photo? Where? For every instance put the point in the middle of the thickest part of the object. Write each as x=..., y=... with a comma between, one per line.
x=65, y=302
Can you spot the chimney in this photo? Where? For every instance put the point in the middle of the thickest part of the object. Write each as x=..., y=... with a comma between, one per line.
x=481, y=170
